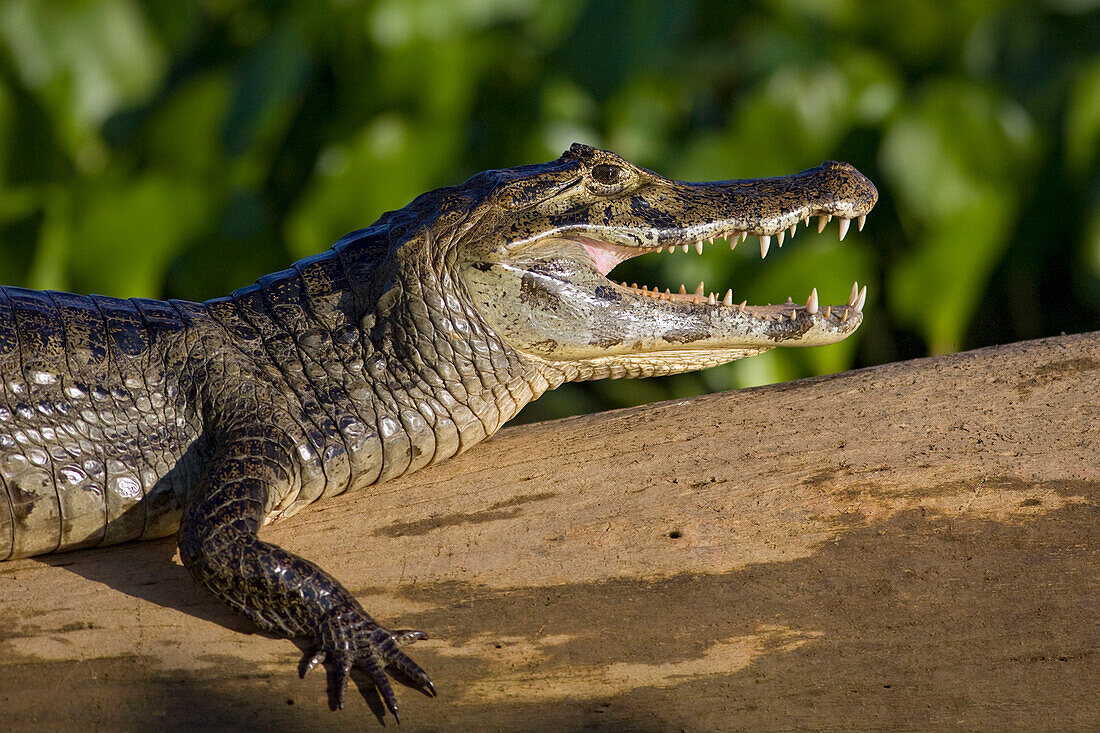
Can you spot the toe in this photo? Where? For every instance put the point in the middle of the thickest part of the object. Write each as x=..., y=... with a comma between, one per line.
x=312, y=662
x=401, y=637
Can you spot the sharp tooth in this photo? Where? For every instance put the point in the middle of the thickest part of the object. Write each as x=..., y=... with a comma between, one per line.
x=765, y=242
x=685, y=248
x=844, y=316
x=811, y=302
x=711, y=300
x=744, y=236
x=728, y=300
x=779, y=237
x=741, y=306
x=699, y=290
x=671, y=249
x=699, y=247
x=645, y=288
x=828, y=311
x=861, y=299
x=854, y=294
x=844, y=224
x=733, y=242
x=790, y=299
x=822, y=220
x=683, y=290
x=793, y=315
x=668, y=292
x=794, y=229
x=861, y=221
x=711, y=240
x=696, y=299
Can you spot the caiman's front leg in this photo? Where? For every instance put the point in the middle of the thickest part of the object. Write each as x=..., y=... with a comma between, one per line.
x=281, y=592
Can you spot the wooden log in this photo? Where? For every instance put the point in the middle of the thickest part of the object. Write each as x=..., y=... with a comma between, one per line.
x=912, y=546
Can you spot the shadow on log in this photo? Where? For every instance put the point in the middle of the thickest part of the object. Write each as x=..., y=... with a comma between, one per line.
x=912, y=546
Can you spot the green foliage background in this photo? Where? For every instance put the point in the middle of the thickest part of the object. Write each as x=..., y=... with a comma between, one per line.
x=181, y=149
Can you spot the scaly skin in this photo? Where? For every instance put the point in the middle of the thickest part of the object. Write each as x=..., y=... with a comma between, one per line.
x=404, y=344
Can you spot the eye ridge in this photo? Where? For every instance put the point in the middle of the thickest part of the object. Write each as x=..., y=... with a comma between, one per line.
x=607, y=173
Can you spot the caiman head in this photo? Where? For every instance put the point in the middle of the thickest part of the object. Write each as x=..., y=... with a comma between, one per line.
x=529, y=251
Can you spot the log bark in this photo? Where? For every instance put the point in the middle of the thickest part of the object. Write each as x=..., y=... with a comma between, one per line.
x=912, y=546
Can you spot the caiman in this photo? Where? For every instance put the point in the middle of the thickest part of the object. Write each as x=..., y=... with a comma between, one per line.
x=403, y=344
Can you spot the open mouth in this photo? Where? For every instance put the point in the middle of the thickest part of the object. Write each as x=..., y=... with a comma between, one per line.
x=606, y=256
x=547, y=292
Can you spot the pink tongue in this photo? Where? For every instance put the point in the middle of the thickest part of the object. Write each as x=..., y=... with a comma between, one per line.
x=604, y=258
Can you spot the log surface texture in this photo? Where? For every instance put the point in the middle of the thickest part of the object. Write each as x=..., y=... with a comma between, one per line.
x=912, y=546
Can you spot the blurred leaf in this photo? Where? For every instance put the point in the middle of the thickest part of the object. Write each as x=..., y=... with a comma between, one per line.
x=569, y=114
x=791, y=122
x=874, y=83
x=8, y=122
x=54, y=240
x=956, y=139
x=267, y=80
x=1073, y=6
x=85, y=60
x=182, y=135
x=398, y=22
x=1083, y=121
x=643, y=115
x=957, y=161
x=135, y=228
x=939, y=287
x=1091, y=250
x=386, y=166
x=919, y=33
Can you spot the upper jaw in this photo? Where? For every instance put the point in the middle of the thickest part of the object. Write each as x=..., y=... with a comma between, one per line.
x=825, y=323
x=770, y=209
x=667, y=214
x=608, y=248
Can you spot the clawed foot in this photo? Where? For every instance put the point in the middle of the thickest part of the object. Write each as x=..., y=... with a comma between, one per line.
x=364, y=644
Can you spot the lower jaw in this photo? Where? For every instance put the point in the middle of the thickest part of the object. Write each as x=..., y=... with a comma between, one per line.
x=650, y=364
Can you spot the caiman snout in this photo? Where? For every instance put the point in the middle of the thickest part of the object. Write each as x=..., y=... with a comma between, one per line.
x=851, y=191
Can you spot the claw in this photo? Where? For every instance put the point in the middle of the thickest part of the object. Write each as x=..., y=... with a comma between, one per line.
x=401, y=637
x=412, y=671
x=343, y=672
x=381, y=682
x=316, y=659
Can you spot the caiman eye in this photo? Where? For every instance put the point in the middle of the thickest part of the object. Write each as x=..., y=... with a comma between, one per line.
x=606, y=173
